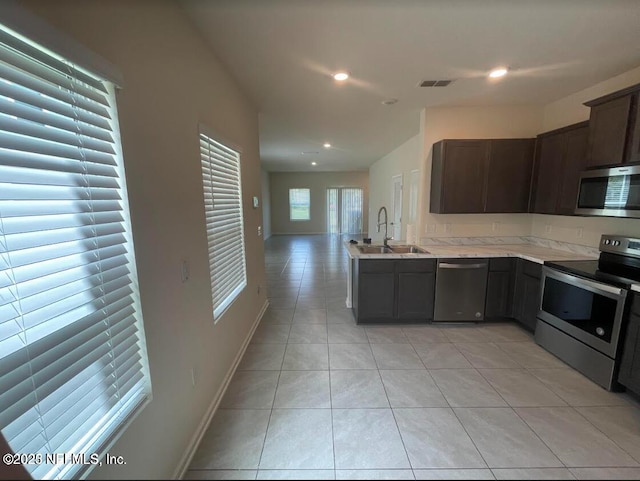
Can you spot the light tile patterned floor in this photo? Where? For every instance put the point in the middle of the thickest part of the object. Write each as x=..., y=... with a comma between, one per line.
x=318, y=397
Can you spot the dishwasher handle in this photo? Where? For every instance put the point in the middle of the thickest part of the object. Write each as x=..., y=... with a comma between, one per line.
x=447, y=265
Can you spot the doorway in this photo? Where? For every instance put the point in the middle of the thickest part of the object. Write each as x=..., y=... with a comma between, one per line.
x=344, y=210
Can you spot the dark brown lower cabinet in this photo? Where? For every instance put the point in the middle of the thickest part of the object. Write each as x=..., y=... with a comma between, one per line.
x=386, y=290
x=629, y=374
x=526, y=298
x=416, y=284
x=402, y=290
x=500, y=286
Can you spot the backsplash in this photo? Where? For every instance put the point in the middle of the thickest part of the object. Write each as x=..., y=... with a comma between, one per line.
x=472, y=241
x=511, y=240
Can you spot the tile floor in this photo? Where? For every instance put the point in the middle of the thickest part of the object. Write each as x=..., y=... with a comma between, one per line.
x=318, y=397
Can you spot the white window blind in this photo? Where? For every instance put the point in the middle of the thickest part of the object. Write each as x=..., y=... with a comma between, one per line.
x=73, y=369
x=225, y=225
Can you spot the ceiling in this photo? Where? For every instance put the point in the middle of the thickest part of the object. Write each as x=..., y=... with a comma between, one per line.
x=282, y=54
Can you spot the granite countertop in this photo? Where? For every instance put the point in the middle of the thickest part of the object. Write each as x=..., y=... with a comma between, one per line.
x=524, y=251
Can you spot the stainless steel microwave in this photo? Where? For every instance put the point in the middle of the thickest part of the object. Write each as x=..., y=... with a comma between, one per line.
x=611, y=192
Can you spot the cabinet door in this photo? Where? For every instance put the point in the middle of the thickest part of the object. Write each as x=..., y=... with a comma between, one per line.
x=526, y=298
x=376, y=296
x=531, y=302
x=574, y=162
x=464, y=166
x=499, y=295
x=550, y=159
x=629, y=374
x=415, y=295
x=634, y=143
x=608, y=129
x=509, y=175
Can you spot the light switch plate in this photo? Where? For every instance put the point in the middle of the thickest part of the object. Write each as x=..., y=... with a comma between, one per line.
x=184, y=270
x=256, y=202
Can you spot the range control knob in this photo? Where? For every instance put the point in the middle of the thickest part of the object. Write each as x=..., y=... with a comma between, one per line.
x=600, y=331
x=616, y=243
x=607, y=242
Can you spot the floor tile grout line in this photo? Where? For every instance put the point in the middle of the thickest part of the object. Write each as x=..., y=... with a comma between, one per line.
x=538, y=435
x=602, y=432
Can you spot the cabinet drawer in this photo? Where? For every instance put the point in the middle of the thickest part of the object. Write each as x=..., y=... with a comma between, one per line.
x=532, y=269
x=501, y=264
x=418, y=265
x=374, y=265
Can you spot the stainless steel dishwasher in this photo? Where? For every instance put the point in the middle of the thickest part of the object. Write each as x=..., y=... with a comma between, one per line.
x=461, y=288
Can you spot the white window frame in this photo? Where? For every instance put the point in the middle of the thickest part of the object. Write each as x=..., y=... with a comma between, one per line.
x=224, y=218
x=99, y=433
x=291, y=205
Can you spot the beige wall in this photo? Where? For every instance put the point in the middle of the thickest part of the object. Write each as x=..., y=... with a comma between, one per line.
x=400, y=161
x=317, y=182
x=172, y=82
x=583, y=230
x=569, y=110
x=473, y=123
x=266, y=204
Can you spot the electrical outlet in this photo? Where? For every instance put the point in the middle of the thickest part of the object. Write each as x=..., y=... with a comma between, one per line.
x=495, y=227
x=579, y=232
x=184, y=270
x=193, y=376
x=447, y=228
x=259, y=230
x=547, y=228
x=430, y=228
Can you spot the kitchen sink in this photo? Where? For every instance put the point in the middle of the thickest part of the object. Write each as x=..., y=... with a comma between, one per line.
x=397, y=249
x=374, y=250
x=407, y=249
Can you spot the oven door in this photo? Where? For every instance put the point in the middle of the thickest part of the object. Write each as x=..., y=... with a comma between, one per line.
x=587, y=310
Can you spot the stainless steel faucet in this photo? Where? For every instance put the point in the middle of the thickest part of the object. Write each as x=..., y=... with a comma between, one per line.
x=386, y=233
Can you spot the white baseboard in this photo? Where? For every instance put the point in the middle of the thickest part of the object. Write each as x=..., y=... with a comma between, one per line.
x=184, y=463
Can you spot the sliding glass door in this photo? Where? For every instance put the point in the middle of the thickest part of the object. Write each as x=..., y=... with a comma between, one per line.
x=344, y=210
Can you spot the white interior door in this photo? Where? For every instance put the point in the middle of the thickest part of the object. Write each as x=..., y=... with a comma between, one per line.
x=396, y=207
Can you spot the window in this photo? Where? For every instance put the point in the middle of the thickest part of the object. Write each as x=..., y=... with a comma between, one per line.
x=299, y=204
x=73, y=367
x=225, y=229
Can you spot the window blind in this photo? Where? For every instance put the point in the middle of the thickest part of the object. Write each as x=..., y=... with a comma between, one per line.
x=73, y=366
x=224, y=222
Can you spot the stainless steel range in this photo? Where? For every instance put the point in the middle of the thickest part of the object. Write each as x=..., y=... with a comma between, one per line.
x=584, y=308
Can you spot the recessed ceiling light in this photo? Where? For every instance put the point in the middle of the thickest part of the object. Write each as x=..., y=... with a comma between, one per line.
x=314, y=163
x=498, y=72
x=341, y=76
x=389, y=101
x=327, y=145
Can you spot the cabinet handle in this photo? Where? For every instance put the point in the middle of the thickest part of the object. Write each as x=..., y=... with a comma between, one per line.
x=445, y=265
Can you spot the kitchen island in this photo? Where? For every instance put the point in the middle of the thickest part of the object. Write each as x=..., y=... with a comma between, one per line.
x=399, y=287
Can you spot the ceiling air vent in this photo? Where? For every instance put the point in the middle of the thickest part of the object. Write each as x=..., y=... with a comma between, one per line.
x=434, y=83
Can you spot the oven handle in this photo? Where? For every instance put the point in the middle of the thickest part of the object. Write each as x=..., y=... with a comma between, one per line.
x=593, y=286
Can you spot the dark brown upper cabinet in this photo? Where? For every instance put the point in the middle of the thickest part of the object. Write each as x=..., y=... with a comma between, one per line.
x=509, y=175
x=614, y=130
x=476, y=176
x=560, y=157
